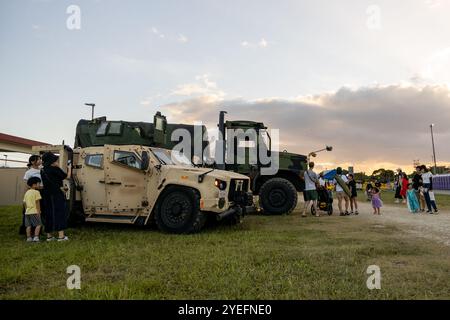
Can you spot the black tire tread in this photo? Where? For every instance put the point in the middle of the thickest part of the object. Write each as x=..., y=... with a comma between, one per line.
x=199, y=218
x=268, y=184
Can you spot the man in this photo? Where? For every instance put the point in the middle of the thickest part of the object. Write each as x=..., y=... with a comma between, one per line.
x=340, y=193
x=310, y=194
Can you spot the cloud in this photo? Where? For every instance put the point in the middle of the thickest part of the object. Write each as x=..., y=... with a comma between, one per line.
x=263, y=43
x=158, y=33
x=437, y=67
x=202, y=87
x=433, y=3
x=148, y=100
x=182, y=38
x=386, y=125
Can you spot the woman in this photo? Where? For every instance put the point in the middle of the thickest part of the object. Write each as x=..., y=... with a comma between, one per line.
x=427, y=178
x=404, y=186
x=34, y=170
x=53, y=196
x=398, y=185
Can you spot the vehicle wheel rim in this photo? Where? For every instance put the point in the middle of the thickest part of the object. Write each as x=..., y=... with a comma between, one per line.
x=277, y=198
x=175, y=211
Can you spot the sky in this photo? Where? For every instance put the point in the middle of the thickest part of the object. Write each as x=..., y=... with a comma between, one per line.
x=367, y=77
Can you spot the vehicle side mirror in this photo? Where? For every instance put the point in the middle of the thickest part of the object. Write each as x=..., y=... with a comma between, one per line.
x=145, y=160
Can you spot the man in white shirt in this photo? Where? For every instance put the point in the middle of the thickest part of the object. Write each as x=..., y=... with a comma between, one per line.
x=310, y=193
x=340, y=193
x=427, y=179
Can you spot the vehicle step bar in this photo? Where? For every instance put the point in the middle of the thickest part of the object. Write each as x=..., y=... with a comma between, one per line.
x=112, y=220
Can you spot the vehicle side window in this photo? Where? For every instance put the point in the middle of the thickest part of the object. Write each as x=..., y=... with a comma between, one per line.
x=94, y=160
x=127, y=158
x=101, y=131
x=115, y=129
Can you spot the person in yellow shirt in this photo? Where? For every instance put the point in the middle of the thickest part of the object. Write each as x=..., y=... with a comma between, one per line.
x=32, y=205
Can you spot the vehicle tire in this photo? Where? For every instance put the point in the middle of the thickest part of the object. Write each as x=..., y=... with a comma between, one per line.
x=313, y=211
x=76, y=214
x=178, y=211
x=330, y=209
x=278, y=196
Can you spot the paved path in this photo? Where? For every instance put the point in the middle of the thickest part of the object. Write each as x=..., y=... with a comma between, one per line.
x=430, y=226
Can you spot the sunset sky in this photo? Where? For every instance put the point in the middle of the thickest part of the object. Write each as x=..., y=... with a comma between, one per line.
x=367, y=77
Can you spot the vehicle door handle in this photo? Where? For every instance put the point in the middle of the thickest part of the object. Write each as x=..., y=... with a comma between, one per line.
x=112, y=182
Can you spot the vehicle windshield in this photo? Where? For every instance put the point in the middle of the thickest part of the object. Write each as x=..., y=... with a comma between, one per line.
x=171, y=157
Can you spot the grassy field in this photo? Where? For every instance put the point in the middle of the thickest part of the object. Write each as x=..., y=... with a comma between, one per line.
x=284, y=257
x=442, y=201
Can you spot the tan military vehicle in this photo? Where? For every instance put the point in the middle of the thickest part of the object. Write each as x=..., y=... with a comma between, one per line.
x=137, y=185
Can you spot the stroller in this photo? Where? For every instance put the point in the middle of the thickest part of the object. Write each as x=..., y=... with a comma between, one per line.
x=325, y=202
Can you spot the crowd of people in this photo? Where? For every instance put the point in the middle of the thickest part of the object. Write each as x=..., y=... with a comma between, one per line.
x=417, y=193
x=44, y=202
x=316, y=184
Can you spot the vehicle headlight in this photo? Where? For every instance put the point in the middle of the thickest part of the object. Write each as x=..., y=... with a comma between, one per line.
x=222, y=185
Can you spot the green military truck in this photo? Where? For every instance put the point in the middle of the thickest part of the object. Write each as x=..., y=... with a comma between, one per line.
x=277, y=191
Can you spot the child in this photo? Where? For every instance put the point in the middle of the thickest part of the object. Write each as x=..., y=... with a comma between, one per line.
x=413, y=202
x=376, y=201
x=33, y=209
x=369, y=188
x=353, y=201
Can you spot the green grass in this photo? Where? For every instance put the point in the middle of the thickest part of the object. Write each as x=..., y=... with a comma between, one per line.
x=442, y=200
x=282, y=257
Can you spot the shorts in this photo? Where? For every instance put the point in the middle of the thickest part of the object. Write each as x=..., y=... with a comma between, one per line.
x=33, y=220
x=310, y=195
x=341, y=194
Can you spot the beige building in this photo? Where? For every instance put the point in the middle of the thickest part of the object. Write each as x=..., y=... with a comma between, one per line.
x=12, y=185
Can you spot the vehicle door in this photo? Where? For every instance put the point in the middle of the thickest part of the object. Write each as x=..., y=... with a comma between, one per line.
x=125, y=178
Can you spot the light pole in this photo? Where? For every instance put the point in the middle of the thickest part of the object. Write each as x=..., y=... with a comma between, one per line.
x=92, y=105
x=434, y=150
x=314, y=153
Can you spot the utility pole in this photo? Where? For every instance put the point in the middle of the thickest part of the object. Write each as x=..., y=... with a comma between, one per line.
x=92, y=105
x=434, y=151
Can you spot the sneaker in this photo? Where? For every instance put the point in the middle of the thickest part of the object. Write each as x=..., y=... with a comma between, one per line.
x=356, y=213
x=342, y=214
x=436, y=211
x=51, y=239
x=346, y=213
x=29, y=239
x=66, y=238
x=36, y=239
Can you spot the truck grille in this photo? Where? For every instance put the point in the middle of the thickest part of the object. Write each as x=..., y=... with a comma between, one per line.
x=238, y=191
